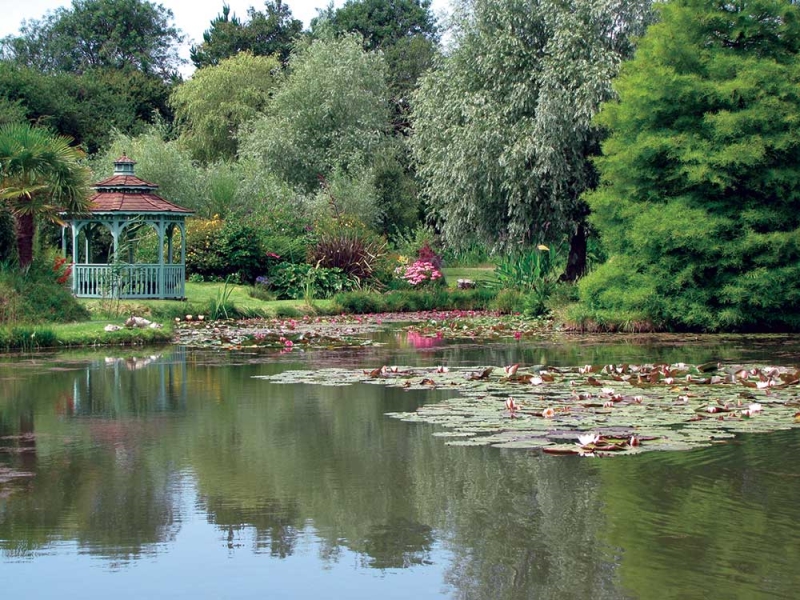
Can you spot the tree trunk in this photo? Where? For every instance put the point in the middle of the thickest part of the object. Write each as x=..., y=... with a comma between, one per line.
x=25, y=231
x=576, y=262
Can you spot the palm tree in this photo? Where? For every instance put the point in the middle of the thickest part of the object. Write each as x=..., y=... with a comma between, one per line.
x=40, y=176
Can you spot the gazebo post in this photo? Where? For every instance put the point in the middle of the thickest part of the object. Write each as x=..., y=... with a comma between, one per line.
x=161, y=257
x=74, y=227
x=170, y=233
x=182, y=226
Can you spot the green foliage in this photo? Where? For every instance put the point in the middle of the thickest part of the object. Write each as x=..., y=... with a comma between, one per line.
x=503, y=127
x=34, y=295
x=330, y=114
x=8, y=248
x=347, y=245
x=41, y=175
x=698, y=203
x=347, y=193
x=268, y=33
x=95, y=34
x=509, y=301
x=88, y=106
x=11, y=111
x=158, y=161
x=26, y=338
x=221, y=306
x=218, y=99
x=404, y=30
x=382, y=23
x=533, y=273
x=291, y=281
x=468, y=254
x=408, y=242
x=220, y=249
x=363, y=302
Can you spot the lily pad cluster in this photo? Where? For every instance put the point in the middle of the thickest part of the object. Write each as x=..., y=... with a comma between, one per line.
x=591, y=410
x=285, y=335
x=481, y=325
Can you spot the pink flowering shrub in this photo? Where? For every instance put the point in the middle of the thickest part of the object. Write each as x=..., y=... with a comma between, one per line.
x=420, y=272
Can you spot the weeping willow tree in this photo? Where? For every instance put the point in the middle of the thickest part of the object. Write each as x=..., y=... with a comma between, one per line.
x=503, y=126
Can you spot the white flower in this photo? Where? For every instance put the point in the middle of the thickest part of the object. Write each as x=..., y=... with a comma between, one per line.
x=587, y=439
x=536, y=380
x=755, y=407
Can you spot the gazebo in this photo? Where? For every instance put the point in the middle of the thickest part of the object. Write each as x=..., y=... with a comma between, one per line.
x=123, y=204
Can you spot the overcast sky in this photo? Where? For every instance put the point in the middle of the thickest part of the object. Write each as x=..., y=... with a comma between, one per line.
x=191, y=16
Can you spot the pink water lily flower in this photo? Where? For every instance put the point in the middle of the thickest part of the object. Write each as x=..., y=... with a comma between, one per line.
x=511, y=369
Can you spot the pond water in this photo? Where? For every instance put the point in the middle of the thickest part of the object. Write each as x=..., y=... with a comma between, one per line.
x=175, y=473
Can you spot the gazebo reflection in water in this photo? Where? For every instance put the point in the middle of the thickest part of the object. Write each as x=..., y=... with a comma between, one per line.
x=125, y=207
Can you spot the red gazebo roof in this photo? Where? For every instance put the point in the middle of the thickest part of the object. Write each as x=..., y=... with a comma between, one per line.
x=133, y=202
x=124, y=192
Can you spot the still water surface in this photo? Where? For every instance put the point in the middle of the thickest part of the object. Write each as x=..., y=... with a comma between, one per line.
x=175, y=474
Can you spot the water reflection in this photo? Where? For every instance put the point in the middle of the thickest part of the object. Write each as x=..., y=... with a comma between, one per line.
x=118, y=444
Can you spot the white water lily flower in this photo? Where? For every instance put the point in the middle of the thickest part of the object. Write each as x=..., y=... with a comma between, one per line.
x=587, y=439
x=536, y=381
x=607, y=391
x=755, y=407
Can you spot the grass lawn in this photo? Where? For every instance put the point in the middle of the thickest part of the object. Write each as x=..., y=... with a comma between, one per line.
x=483, y=273
x=200, y=299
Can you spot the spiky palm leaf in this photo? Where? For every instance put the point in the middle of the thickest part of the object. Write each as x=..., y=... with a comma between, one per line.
x=40, y=177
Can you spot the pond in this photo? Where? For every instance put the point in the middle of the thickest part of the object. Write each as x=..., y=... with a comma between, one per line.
x=180, y=473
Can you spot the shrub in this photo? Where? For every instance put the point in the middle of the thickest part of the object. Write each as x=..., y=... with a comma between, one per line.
x=532, y=273
x=414, y=300
x=410, y=242
x=293, y=281
x=422, y=272
x=509, y=301
x=349, y=246
x=36, y=296
x=220, y=249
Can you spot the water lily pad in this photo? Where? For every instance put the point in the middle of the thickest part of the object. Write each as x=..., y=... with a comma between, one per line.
x=666, y=407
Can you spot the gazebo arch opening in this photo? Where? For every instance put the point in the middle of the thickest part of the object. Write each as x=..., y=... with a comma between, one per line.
x=146, y=254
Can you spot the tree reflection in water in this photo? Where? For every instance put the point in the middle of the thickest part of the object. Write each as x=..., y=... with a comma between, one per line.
x=112, y=444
